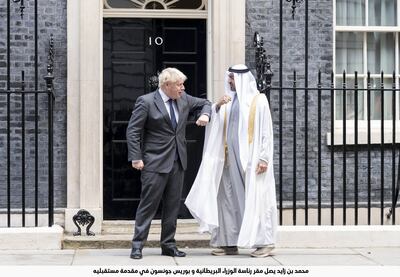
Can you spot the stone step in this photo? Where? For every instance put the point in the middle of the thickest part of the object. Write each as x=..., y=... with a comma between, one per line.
x=184, y=226
x=125, y=241
x=311, y=236
x=118, y=234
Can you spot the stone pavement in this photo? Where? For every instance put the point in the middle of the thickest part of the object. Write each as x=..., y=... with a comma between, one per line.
x=304, y=262
x=201, y=257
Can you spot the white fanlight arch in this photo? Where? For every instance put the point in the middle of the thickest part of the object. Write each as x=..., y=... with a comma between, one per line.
x=156, y=4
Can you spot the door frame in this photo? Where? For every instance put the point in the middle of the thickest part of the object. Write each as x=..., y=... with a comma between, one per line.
x=225, y=46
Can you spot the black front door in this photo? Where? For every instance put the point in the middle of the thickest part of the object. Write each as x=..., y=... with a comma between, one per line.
x=134, y=51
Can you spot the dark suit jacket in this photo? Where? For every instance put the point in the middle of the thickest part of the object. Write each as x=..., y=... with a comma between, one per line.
x=150, y=135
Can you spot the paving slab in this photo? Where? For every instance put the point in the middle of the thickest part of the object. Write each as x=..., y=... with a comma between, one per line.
x=323, y=259
x=112, y=257
x=36, y=257
x=203, y=257
x=383, y=256
x=313, y=251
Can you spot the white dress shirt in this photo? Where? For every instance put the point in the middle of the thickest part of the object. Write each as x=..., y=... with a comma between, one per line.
x=165, y=98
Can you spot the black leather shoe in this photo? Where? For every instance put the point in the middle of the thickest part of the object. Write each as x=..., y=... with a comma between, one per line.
x=136, y=253
x=173, y=252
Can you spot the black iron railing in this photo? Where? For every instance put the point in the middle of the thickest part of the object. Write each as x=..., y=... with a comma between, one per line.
x=27, y=181
x=347, y=174
x=341, y=176
x=384, y=151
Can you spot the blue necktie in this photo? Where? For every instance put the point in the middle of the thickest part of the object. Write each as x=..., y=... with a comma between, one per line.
x=172, y=113
x=173, y=122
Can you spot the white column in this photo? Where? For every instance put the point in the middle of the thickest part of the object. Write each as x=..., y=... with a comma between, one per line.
x=73, y=25
x=85, y=102
x=228, y=39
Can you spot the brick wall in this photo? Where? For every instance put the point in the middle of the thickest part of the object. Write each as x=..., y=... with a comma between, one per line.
x=52, y=20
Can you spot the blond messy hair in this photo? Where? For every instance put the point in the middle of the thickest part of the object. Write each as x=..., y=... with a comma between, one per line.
x=170, y=74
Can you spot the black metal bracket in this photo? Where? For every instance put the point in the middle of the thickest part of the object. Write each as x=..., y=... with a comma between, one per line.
x=263, y=66
x=294, y=5
x=83, y=217
x=153, y=82
x=50, y=67
x=21, y=8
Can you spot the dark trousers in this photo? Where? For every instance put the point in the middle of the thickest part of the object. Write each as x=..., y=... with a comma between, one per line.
x=156, y=187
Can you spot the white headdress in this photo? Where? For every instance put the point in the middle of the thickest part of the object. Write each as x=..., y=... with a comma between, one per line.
x=246, y=89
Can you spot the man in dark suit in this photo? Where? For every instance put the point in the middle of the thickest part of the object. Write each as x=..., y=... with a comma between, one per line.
x=157, y=146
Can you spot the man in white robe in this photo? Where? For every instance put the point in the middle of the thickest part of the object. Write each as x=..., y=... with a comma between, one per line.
x=233, y=196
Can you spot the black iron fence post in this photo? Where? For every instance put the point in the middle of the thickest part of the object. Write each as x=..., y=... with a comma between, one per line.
x=263, y=66
x=369, y=144
x=332, y=104
x=49, y=78
x=356, y=148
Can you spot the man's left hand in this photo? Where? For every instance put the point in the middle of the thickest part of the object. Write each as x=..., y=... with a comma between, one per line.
x=261, y=167
x=202, y=120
